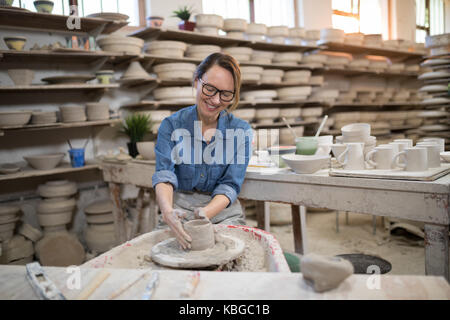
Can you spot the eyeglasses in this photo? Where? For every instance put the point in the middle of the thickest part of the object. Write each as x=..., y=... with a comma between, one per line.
x=210, y=91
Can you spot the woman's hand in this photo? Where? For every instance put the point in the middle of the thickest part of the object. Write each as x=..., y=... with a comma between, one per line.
x=173, y=219
x=200, y=213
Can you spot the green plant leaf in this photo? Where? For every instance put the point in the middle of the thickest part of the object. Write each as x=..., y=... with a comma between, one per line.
x=136, y=126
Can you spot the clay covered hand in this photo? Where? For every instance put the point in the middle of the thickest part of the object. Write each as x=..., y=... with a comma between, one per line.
x=199, y=213
x=173, y=220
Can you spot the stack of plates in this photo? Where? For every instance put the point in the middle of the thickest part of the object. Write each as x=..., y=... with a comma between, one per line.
x=259, y=95
x=251, y=73
x=9, y=215
x=272, y=76
x=97, y=111
x=241, y=54
x=43, y=117
x=294, y=93
x=72, y=113
x=201, y=51
x=100, y=236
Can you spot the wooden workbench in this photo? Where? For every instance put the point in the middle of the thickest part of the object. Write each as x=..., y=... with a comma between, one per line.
x=426, y=202
x=228, y=285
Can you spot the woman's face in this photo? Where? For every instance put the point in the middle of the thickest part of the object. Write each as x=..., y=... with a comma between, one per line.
x=210, y=107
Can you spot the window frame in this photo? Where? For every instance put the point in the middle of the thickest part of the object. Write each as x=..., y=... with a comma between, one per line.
x=427, y=18
x=357, y=16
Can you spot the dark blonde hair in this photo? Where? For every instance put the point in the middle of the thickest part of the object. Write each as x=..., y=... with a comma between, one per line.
x=227, y=62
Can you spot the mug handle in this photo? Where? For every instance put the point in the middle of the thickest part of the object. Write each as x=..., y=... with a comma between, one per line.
x=395, y=163
x=340, y=157
x=369, y=158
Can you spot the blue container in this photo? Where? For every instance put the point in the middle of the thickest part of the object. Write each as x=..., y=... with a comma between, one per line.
x=76, y=157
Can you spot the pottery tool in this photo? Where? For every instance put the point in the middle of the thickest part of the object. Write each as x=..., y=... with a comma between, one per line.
x=41, y=283
x=70, y=145
x=290, y=128
x=151, y=286
x=127, y=286
x=191, y=285
x=93, y=285
x=321, y=125
x=86, y=143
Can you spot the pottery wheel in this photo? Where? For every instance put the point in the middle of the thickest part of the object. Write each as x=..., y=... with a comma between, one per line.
x=169, y=253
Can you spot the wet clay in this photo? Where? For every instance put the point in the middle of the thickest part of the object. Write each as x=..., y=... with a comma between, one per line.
x=202, y=234
x=326, y=273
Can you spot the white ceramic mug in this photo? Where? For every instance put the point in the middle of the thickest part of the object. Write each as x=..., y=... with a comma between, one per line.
x=324, y=145
x=382, y=157
x=408, y=141
x=439, y=141
x=434, y=155
x=416, y=159
x=352, y=158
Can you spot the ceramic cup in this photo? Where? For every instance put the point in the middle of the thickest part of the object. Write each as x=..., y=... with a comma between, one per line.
x=439, y=141
x=434, y=155
x=382, y=157
x=324, y=145
x=408, y=141
x=353, y=156
x=415, y=159
x=202, y=234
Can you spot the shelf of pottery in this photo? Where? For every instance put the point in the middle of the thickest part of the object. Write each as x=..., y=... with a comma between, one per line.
x=44, y=84
x=51, y=242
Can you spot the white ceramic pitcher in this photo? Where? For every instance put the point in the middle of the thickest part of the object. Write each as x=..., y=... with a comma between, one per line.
x=353, y=156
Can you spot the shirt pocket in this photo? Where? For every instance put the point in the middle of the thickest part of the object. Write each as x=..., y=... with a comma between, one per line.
x=217, y=171
x=185, y=172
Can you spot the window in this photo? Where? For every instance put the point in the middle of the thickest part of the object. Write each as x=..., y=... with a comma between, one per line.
x=86, y=7
x=346, y=15
x=429, y=18
x=271, y=13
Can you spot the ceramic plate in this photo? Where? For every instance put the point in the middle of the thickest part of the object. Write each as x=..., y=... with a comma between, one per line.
x=436, y=101
x=9, y=168
x=434, y=75
x=74, y=79
x=434, y=88
x=433, y=62
x=435, y=127
x=109, y=16
x=433, y=114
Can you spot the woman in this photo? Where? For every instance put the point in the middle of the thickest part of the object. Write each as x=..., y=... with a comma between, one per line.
x=202, y=152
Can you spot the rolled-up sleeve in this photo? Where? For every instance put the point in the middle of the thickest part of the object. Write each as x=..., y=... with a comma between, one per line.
x=165, y=167
x=231, y=181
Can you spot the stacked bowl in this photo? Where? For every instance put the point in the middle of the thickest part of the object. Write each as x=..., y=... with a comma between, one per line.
x=332, y=35
x=296, y=36
x=175, y=71
x=201, y=51
x=14, y=118
x=99, y=234
x=235, y=28
x=259, y=95
x=97, y=111
x=251, y=73
x=287, y=58
x=241, y=54
x=264, y=57
x=166, y=48
x=373, y=40
x=57, y=206
x=272, y=75
x=277, y=34
x=122, y=44
x=174, y=93
x=266, y=115
x=43, y=117
x=294, y=93
x=297, y=76
x=356, y=38
x=256, y=31
x=9, y=215
x=72, y=113
x=208, y=23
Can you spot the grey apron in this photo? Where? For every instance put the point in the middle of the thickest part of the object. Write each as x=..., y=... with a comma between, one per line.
x=188, y=201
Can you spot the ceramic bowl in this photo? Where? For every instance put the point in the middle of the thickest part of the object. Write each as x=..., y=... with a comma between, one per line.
x=21, y=77
x=14, y=118
x=235, y=25
x=245, y=113
x=305, y=164
x=278, y=31
x=209, y=20
x=360, y=130
x=290, y=112
x=174, y=93
x=201, y=51
x=15, y=43
x=97, y=111
x=256, y=28
x=43, y=6
x=155, y=21
x=99, y=207
x=267, y=113
x=57, y=188
x=236, y=35
x=117, y=43
x=44, y=161
x=105, y=76
x=146, y=149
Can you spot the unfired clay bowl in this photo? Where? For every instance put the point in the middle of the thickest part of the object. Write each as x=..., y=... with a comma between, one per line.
x=202, y=234
x=57, y=188
x=21, y=77
x=44, y=161
x=14, y=118
x=146, y=149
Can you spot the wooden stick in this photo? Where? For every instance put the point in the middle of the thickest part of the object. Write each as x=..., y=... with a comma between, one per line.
x=93, y=285
x=126, y=287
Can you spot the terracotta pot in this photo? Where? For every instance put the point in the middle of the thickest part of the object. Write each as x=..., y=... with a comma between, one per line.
x=202, y=234
x=186, y=25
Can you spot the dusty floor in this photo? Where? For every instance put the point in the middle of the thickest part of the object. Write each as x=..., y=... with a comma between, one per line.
x=406, y=256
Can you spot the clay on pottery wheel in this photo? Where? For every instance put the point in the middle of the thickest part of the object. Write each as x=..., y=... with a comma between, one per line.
x=169, y=253
x=202, y=234
x=29, y=232
x=325, y=272
x=59, y=250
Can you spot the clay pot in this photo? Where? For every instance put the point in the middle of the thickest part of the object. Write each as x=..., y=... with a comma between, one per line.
x=146, y=149
x=21, y=77
x=202, y=234
x=57, y=188
x=15, y=43
x=59, y=250
x=55, y=219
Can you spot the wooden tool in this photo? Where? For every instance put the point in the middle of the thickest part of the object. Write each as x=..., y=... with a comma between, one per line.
x=41, y=283
x=127, y=286
x=93, y=285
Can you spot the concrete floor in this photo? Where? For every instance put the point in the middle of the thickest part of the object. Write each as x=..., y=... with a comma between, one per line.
x=407, y=256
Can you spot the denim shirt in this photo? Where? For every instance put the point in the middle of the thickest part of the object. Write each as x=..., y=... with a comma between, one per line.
x=185, y=160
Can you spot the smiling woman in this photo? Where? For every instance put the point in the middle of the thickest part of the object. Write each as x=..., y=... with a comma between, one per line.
x=196, y=187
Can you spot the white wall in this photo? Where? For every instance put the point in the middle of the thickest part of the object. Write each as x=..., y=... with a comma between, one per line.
x=447, y=16
x=315, y=14
x=165, y=9
x=403, y=19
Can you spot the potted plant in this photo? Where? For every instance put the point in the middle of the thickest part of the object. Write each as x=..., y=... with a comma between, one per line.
x=184, y=14
x=136, y=126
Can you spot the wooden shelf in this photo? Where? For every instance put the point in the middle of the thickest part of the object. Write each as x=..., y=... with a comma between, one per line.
x=152, y=33
x=376, y=51
x=282, y=124
x=24, y=19
x=29, y=172
x=376, y=104
x=358, y=72
x=58, y=125
x=56, y=87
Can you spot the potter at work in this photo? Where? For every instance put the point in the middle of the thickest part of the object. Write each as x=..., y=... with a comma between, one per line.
x=205, y=182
